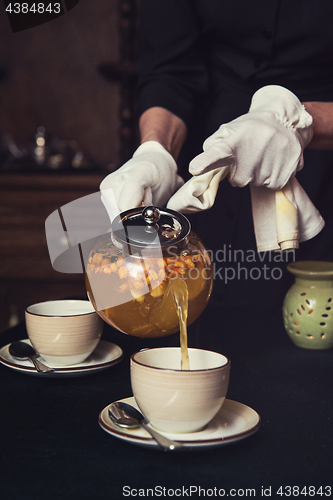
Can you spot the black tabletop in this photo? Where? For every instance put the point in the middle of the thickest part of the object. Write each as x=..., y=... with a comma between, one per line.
x=52, y=446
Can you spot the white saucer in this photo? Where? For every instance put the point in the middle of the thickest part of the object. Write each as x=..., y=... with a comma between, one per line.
x=105, y=355
x=233, y=422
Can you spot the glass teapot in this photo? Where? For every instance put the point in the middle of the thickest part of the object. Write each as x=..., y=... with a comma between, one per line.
x=130, y=270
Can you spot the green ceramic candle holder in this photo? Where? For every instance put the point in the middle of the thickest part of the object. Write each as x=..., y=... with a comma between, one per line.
x=308, y=305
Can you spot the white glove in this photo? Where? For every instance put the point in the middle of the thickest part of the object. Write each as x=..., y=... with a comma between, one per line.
x=149, y=178
x=264, y=146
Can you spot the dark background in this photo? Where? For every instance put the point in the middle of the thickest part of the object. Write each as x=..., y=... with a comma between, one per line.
x=51, y=78
x=75, y=76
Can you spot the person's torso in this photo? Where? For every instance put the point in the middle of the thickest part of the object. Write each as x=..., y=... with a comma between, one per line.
x=249, y=44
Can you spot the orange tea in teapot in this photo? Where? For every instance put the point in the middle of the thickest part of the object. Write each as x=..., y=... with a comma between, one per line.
x=133, y=273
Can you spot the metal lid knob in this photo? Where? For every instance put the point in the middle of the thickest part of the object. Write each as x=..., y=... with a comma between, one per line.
x=151, y=215
x=150, y=227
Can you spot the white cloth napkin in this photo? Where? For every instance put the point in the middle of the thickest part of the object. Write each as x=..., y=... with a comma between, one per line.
x=281, y=218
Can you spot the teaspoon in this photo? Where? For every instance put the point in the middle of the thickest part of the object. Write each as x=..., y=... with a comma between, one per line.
x=127, y=416
x=21, y=350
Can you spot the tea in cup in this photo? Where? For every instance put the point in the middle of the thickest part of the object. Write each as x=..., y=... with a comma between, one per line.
x=63, y=332
x=176, y=400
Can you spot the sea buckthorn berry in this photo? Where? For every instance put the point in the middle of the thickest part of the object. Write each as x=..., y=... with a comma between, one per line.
x=120, y=262
x=138, y=285
x=158, y=291
x=153, y=274
x=189, y=263
x=182, y=270
x=114, y=267
x=122, y=272
x=97, y=259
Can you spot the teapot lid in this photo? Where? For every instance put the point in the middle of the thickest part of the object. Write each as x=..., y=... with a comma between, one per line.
x=150, y=227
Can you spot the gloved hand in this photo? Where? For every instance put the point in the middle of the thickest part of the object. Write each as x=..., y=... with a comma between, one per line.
x=149, y=177
x=264, y=146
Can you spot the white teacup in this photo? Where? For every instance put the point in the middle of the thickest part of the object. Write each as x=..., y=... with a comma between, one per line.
x=63, y=332
x=176, y=400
